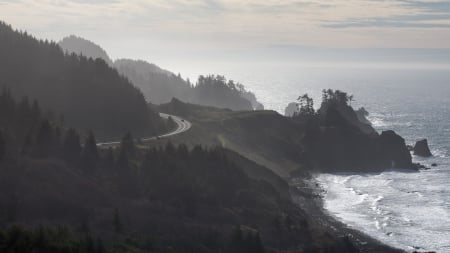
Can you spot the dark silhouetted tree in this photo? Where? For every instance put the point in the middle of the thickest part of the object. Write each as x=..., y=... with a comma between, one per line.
x=117, y=223
x=2, y=146
x=305, y=105
x=44, y=139
x=89, y=154
x=71, y=146
x=237, y=240
x=108, y=159
x=127, y=144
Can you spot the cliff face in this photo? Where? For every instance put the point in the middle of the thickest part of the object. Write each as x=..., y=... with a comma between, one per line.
x=340, y=141
x=393, y=151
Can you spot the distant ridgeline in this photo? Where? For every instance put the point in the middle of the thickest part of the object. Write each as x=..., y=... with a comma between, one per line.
x=89, y=93
x=160, y=86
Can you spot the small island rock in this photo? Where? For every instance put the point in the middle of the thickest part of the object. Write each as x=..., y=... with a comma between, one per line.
x=421, y=148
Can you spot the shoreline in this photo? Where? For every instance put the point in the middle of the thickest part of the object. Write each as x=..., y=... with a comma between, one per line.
x=307, y=194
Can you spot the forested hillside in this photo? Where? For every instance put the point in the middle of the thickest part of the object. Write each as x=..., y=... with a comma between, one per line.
x=89, y=93
x=160, y=86
x=74, y=197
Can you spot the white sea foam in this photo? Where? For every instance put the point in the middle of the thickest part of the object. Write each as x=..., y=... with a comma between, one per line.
x=391, y=210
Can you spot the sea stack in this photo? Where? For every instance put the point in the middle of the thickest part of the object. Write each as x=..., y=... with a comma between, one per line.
x=421, y=148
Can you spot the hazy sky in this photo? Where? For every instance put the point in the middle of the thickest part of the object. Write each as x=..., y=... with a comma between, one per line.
x=127, y=27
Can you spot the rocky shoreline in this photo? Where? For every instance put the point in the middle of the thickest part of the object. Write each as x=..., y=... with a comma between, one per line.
x=307, y=193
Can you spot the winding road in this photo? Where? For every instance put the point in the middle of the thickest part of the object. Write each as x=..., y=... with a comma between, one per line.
x=182, y=126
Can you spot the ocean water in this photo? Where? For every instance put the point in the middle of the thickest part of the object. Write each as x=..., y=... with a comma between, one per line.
x=408, y=210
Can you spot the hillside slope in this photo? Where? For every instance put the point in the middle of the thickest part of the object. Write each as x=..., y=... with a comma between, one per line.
x=89, y=93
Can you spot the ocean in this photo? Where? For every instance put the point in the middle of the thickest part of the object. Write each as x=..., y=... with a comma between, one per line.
x=408, y=210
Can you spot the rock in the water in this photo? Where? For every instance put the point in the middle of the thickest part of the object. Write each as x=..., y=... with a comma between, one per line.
x=421, y=148
x=434, y=165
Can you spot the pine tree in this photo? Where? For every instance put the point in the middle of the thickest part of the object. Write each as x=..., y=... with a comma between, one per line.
x=258, y=246
x=36, y=111
x=117, y=223
x=71, y=146
x=127, y=144
x=237, y=240
x=123, y=160
x=108, y=159
x=44, y=139
x=2, y=146
x=27, y=145
x=90, y=153
x=100, y=246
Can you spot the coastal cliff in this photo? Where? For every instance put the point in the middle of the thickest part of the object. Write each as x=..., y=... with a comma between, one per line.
x=331, y=139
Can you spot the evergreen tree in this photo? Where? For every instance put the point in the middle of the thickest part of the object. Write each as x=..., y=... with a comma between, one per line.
x=127, y=144
x=237, y=240
x=117, y=223
x=257, y=244
x=36, y=111
x=108, y=159
x=71, y=146
x=305, y=105
x=90, y=153
x=44, y=139
x=2, y=146
x=123, y=160
x=100, y=247
x=27, y=145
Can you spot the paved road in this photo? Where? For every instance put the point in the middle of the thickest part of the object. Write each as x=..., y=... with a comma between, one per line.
x=182, y=126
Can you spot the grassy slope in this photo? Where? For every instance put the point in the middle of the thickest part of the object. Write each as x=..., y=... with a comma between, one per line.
x=264, y=137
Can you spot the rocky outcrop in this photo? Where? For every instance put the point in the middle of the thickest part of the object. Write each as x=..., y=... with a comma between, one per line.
x=393, y=151
x=340, y=142
x=421, y=148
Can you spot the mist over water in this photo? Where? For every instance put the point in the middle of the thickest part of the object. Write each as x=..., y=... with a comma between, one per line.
x=409, y=210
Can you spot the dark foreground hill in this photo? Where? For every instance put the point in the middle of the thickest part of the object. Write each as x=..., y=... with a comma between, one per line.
x=59, y=193
x=89, y=93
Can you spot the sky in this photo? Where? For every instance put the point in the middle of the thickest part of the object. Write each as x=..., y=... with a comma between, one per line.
x=188, y=28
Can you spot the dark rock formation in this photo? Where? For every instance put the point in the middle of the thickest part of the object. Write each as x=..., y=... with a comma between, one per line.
x=393, y=150
x=340, y=142
x=421, y=148
x=434, y=165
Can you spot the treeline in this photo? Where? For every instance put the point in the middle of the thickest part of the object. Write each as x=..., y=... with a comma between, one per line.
x=89, y=93
x=49, y=240
x=160, y=86
x=27, y=131
x=217, y=91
